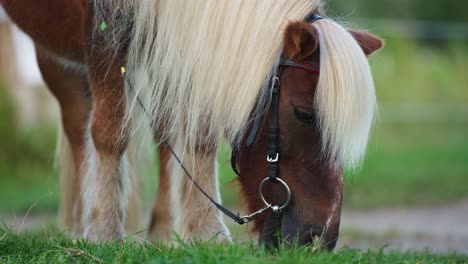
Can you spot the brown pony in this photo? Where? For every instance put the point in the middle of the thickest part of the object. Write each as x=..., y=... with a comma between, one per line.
x=194, y=72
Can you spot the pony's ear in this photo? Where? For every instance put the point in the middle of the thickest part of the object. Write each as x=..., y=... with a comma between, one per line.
x=300, y=40
x=368, y=42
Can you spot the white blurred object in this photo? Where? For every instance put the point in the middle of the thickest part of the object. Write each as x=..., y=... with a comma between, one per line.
x=26, y=63
x=3, y=17
x=21, y=77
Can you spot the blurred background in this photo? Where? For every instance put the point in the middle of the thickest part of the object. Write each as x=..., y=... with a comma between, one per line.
x=412, y=191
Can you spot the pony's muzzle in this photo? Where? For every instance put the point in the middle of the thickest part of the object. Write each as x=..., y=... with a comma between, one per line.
x=294, y=230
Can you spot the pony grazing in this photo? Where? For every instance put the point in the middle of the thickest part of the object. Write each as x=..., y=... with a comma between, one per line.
x=292, y=92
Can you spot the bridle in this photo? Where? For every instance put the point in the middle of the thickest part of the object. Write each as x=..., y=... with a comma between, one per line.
x=273, y=133
x=273, y=156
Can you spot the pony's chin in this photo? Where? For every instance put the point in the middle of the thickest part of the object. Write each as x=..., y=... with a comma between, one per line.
x=270, y=235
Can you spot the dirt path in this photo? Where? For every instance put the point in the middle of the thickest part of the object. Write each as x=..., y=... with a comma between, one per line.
x=441, y=229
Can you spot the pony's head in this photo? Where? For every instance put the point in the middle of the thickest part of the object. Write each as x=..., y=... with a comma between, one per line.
x=325, y=111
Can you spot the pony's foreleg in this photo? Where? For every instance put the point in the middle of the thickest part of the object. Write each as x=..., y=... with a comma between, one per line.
x=195, y=216
x=107, y=181
x=161, y=223
x=69, y=86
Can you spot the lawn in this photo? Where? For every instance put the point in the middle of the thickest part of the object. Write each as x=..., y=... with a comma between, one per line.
x=55, y=248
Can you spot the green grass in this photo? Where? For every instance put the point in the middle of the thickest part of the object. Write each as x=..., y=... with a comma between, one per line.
x=56, y=248
x=26, y=164
x=411, y=164
x=409, y=72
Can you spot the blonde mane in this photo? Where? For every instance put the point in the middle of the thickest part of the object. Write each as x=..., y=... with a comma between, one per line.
x=345, y=96
x=199, y=67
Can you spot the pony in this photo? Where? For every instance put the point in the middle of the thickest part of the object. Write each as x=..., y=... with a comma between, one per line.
x=195, y=72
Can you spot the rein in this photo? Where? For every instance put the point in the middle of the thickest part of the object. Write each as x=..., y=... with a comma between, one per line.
x=273, y=132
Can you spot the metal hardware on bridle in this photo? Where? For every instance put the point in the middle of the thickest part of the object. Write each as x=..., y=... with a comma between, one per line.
x=273, y=155
x=288, y=193
x=248, y=218
x=273, y=133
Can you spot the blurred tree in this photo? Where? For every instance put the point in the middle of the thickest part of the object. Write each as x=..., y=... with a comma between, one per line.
x=444, y=10
x=439, y=10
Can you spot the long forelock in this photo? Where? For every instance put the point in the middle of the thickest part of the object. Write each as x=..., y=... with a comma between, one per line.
x=345, y=98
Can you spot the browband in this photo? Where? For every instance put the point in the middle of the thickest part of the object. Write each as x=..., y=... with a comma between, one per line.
x=305, y=65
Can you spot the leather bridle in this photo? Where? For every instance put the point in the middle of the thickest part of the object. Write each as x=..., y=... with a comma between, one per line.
x=273, y=156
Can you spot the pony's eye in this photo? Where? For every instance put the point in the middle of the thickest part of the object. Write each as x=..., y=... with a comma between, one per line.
x=306, y=116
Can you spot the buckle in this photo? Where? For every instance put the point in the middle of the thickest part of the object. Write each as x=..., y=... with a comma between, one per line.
x=273, y=160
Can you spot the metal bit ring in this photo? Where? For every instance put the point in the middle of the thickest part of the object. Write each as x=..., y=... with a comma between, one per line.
x=286, y=187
